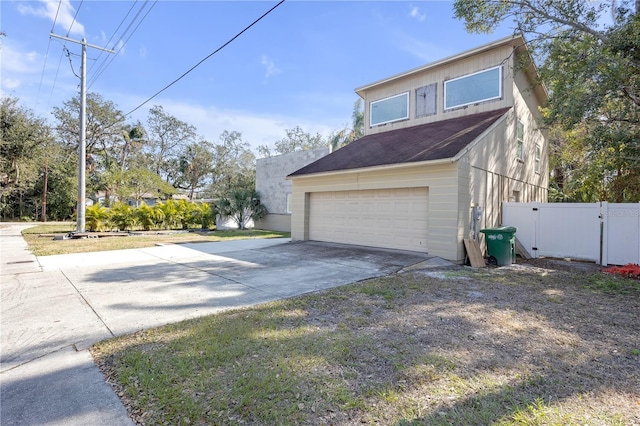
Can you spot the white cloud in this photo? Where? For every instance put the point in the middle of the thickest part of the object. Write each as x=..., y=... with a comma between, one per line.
x=257, y=129
x=210, y=121
x=10, y=83
x=270, y=67
x=62, y=16
x=415, y=13
x=19, y=62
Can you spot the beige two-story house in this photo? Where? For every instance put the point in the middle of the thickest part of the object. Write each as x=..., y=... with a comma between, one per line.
x=450, y=138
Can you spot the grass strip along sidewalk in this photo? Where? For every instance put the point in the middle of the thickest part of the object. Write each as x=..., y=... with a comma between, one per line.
x=520, y=345
x=41, y=242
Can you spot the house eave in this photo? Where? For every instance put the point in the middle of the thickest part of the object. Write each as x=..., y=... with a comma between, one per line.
x=383, y=167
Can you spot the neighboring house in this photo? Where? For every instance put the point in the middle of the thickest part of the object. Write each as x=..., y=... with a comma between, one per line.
x=147, y=198
x=439, y=140
x=275, y=189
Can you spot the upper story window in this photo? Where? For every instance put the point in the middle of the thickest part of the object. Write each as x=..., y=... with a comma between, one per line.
x=388, y=110
x=520, y=140
x=426, y=100
x=536, y=166
x=473, y=88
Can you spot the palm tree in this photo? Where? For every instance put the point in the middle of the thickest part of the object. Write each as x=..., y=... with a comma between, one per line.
x=347, y=135
x=241, y=205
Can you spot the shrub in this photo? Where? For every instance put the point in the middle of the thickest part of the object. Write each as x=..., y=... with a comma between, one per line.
x=204, y=215
x=630, y=270
x=169, y=213
x=186, y=213
x=149, y=217
x=97, y=218
x=122, y=216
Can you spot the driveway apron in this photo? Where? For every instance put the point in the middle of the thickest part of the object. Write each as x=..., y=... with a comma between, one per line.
x=55, y=307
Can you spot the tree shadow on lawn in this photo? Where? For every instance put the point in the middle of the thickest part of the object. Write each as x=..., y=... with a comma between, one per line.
x=407, y=349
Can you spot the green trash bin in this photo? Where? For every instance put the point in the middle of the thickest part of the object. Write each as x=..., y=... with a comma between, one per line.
x=501, y=244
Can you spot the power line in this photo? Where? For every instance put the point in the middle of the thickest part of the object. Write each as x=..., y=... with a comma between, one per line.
x=44, y=67
x=55, y=79
x=127, y=40
x=74, y=18
x=115, y=32
x=56, y=18
x=206, y=57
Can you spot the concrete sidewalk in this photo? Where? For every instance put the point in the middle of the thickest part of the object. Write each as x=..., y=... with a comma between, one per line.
x=54, y=308
x=45, y=377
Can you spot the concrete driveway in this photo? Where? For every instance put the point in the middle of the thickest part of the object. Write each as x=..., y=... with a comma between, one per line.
x=55, y=307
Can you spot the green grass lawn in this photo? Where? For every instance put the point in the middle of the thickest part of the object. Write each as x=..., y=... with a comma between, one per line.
x=463, y=347
x=41, y=242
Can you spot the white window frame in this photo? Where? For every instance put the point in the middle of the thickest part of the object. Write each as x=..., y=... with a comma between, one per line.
x=537, y=156
x=499, y=96
x=519, y=141
x=406, y=117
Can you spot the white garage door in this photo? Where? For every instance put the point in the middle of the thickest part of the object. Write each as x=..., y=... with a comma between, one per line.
x=390, y=218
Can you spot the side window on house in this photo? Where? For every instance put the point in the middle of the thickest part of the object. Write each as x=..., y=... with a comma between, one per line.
x=426, y=100
x=473, y=88
x=520, y=140
x=388, y=110
x=537, y=159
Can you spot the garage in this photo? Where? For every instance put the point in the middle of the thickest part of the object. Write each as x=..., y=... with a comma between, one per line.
x=389, y=218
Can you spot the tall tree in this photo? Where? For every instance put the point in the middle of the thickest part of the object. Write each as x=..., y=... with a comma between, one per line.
x=196, y=166
x=106, y=138
x=593, y=76
x=105, y=127
x=296, y=139
x=137, y=183
x=130, y=144
x=234, y=165
x=27, y=146
x=168, y=136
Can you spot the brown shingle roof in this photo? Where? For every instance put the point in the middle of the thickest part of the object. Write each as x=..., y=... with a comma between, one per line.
x=432, y=141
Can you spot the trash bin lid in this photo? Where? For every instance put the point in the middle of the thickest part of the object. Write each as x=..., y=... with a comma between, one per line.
x=500, y=230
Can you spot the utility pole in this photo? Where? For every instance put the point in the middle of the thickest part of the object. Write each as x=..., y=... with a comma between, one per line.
x=82, y=146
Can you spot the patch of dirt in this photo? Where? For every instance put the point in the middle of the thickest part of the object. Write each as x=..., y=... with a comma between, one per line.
x=561, y=264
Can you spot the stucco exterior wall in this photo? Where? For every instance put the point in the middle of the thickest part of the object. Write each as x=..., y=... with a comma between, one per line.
x=441, y=180
x=271, y=183
x=275, y=222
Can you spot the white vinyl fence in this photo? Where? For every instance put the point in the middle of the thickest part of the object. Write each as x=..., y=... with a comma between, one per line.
x=606, y=233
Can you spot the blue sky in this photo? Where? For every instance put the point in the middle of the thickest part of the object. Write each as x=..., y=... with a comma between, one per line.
x=298, y=66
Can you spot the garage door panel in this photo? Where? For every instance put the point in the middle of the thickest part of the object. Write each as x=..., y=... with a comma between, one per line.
x=419, y=225
x=392, y=218
x=401, y=225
